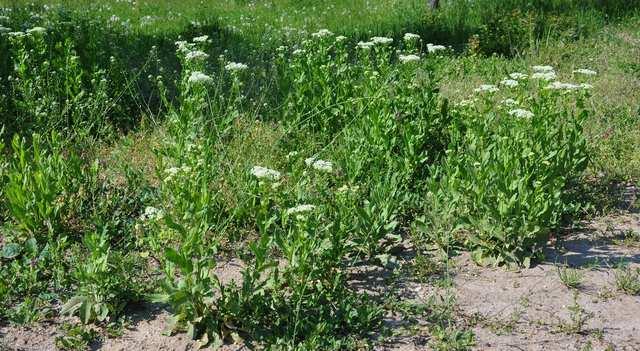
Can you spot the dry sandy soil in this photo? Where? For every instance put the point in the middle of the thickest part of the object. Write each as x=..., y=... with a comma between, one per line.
x=528, y=309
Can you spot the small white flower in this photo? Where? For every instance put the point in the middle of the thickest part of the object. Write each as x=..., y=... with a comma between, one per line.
x=183, y=46
x=235, y=67
x=172, y=171
x=542, y=69
x=292, y=154
x=319, y=165
x=322, y=33
x=146, y=20
x=518, y=76
x=562, y=86
x=300, y=209
x=467, y=102
x=408, y=58
x=196, y=55
x=346, y=188
x=265, y=173
x=489, y=88
x=152, y=213
x=520, y=113
x=15, y=34
x=511, y=83
x=586, y=72
x=411, y=36
x=509, y=102
x=297, y=52
x=544, y=75
x=201, y=39
x=381, y=40
x=38, y=30
x=366, y=45
x=4, y=29
x=197, y=77
x=586, y=86
x=434, y=48
x=324, y=166
x=340, y=38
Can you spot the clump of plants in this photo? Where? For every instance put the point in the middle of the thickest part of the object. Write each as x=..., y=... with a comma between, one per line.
x=508, y=166
x=105, y=282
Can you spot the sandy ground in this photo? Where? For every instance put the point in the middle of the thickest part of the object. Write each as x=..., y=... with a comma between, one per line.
x=526, y=309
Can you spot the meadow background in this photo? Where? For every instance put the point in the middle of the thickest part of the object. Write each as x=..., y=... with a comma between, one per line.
x=146, y=144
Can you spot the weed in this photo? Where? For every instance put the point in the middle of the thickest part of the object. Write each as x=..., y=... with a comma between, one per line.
x=451, y=339
x=578, y=318
x=106, y=282
x=570, y=277
x=630, y=238
x=627, y=279
x=76, y=337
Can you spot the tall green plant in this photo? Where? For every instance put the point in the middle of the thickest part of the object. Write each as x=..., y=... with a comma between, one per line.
x=41, y=180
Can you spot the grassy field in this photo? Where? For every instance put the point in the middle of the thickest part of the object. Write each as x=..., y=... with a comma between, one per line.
x=287, y=174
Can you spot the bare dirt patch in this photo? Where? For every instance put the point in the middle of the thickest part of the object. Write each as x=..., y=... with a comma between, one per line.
x=531, y=309
x=527, y=309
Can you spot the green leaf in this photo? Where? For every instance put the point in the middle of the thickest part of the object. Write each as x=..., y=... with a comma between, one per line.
x=11, y=250
x=31, y=246
x=71, y=306
x=174, y=257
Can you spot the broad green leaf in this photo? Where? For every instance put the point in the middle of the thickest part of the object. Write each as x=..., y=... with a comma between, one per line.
x=11, y=250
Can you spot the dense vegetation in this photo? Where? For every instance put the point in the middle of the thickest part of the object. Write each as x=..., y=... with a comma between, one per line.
x=143, y=143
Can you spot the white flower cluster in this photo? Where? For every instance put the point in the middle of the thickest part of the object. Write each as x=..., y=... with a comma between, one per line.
x=320, y=165
x=235, y=67
x=586, y=72
x=542, y=69
x=511, y=83
x=152, y=213
x=174, y=171
x=265, y=173
x=184, y=46
x=201, y=39
x=467, y=102
x=520, y=113
x=543, y=72
x=198, y=77
x=509, y=102
x=196, y=55
x=347, y=189
x=411, y=37
x=518, y=76
x=147, y=20
x=365, y=45
x=434, y=48
x=408, y=58
x=544, y=75
x=37, y=30
x=300, y=209
x=568, y=86
x=381, y=40
x=322, y=33
x=486, y=88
